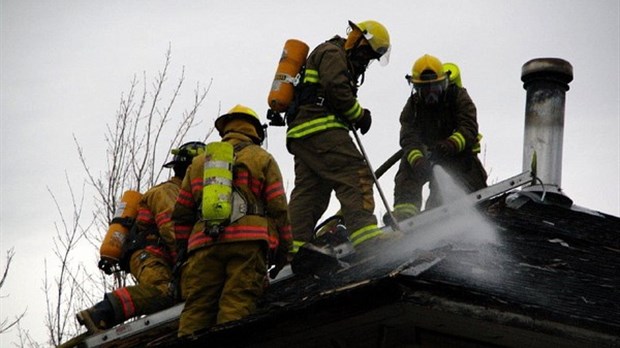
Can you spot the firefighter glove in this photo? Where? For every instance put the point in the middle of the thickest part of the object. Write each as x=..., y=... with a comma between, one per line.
x=445, y=148
x=421, y=169
x=363, y=123
x=106, y=266
x=281, y=259
x=181, y=256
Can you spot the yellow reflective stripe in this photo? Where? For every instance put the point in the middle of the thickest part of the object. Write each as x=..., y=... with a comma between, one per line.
x=354, y=112
x=459, y=140
x=311, y=76
x=407, y=208
x=364, y=234
x=476, y=147
x=296, y=245
x=414, y=155
x=314, y=126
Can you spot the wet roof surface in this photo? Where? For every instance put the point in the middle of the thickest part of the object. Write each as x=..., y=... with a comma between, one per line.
x=547, y=262
x=544, y=262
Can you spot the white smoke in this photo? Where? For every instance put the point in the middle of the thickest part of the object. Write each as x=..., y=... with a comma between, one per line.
x=457, y=226
x=457, y=221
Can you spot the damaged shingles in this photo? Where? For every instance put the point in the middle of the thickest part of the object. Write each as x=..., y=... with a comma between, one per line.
x=559, y=241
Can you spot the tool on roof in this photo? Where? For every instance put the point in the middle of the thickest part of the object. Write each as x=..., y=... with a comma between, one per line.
x=376, y=180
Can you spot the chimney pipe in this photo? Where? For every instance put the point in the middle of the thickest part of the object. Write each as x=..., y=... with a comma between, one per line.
x=546, y=82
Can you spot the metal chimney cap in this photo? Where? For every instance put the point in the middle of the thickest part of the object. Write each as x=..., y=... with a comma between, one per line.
x=555, y=69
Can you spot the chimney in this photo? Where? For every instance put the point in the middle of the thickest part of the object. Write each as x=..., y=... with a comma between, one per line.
x=546, y=82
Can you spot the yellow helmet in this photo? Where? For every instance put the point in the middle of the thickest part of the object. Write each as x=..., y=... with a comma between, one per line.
x=240, y=112
x=427, y=69
x=375, y=34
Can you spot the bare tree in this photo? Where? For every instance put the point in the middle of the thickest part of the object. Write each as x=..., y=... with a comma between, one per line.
x=134, y=142
x=69, y=290
x=25, y=339
x=6, y=324
x=134, y=138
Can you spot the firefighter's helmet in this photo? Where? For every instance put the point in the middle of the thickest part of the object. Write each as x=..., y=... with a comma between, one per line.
x=427, y=69
x=374, y=33
x=241, y=112
x=185, y=153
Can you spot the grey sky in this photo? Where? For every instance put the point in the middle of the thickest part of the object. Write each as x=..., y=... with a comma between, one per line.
x=64, y=65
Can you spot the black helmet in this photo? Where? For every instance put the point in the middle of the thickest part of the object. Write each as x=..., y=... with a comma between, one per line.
x=185, y=153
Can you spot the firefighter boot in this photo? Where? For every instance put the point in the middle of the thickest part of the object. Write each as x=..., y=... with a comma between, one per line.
x=97, y=318
x=401, y=212
x=377, y=245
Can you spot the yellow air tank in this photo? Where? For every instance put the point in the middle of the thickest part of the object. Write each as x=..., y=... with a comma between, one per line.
x=282, y=89
x=124, y=217
x=455, y=73
x=217, y=186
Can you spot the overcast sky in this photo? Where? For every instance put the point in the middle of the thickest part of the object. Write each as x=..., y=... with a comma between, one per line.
x=64, y=65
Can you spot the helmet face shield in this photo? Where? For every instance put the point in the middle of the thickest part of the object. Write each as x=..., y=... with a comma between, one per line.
x=431, y=93
x=385, y=57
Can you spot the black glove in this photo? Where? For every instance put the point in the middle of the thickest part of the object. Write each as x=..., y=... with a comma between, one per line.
x=421, y=169
x=363, y=123
x=181, y=255
x=281, y=259
x=445, y=148
x=175, y=284
x=106, y=266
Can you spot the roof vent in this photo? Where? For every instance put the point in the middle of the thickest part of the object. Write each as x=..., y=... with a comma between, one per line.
x=546, y=82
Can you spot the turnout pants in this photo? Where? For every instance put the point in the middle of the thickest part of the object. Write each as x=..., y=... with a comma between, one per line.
x=326, y=162
x=465, y=169
x=222, y=283
x=151, y=294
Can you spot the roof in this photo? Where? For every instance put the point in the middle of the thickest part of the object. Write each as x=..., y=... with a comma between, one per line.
x=547, y=278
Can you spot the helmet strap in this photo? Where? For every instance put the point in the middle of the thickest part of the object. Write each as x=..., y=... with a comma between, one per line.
x=362, y=78
x=357, y=68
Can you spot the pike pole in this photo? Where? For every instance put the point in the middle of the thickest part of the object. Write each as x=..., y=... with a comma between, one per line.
x=393, y=222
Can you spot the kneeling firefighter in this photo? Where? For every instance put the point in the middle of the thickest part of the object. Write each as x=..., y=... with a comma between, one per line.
x=148, y=253
x=229, y=197
x=438, y=126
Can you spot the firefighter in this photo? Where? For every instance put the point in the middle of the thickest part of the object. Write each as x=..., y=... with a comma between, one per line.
x=326, y=159
x=148, y=254
x=227, y=268
x=438, y=126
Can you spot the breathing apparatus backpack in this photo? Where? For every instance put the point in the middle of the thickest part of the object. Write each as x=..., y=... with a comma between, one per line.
x=454, y=73
x=113, y=243
x=222, y=203
x=216, y=206
x=288, y=78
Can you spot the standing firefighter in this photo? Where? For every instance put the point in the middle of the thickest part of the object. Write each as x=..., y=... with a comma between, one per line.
x=148, y=253
x=326, y=158
x=228, y=242
x=438, y=124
